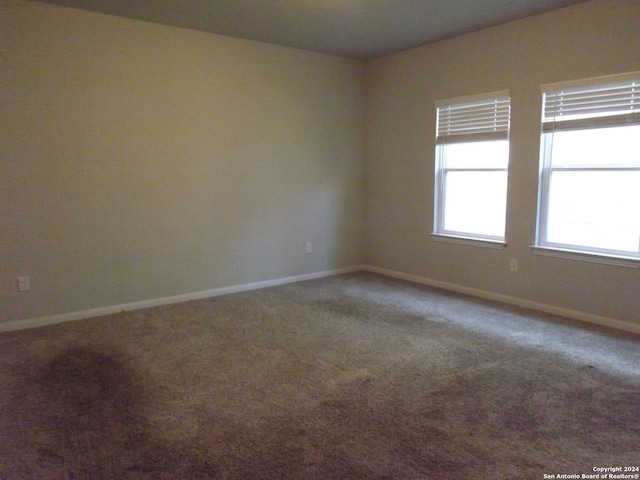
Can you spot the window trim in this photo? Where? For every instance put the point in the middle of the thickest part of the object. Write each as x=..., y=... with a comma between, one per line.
x=470, y=241
x=542, y=246
x=441, y=174
x=591, y=257
x=486, y=131
x=590, y=82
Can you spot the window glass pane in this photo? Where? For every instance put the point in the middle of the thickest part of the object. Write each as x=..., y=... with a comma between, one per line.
x=475, y=202
x=595, y=209
x=598, y=146
x=493, y=154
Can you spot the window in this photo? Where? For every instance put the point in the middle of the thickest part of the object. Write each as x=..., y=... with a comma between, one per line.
x=589, y=199
x=472, y=159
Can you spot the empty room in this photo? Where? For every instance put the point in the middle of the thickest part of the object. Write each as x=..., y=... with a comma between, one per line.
x=320, y=239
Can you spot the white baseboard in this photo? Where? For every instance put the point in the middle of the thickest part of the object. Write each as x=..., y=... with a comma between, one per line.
x=519, y=302
x=216, y=292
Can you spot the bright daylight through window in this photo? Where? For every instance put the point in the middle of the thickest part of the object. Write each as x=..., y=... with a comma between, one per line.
x=590, y=167
x=472, y=159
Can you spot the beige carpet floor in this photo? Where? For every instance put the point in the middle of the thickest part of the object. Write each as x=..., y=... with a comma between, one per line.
x=356, y=376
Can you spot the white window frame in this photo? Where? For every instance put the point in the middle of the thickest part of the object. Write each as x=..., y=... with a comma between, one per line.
x=597, y=114
x=473, y=127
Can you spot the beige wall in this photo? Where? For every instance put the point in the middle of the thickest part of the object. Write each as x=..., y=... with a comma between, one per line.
x=600, y=37
x=140, y=161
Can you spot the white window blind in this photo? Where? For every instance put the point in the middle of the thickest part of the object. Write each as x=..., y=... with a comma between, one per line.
x=581, y=107
x=474, y=120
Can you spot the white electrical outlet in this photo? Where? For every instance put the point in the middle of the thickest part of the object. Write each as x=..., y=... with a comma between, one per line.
x=513, y=266
x=24, y=285
x=309, y=247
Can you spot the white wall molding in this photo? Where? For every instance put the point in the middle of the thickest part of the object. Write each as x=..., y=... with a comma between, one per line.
x=216, y=292
x=519, y=302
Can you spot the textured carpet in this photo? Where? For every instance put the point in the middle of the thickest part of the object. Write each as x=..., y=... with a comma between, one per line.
x=355, y=376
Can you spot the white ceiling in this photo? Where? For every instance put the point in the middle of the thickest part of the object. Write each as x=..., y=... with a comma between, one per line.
x=361, y=29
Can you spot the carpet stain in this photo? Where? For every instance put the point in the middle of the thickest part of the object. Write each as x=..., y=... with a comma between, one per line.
x=84, y=416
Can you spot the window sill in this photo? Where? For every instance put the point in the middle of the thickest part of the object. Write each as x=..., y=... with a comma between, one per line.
x=472, y=242
x=587, y=257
